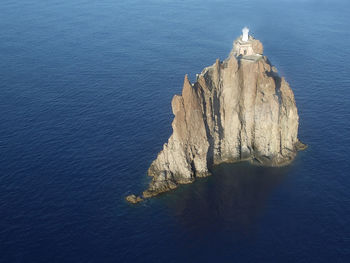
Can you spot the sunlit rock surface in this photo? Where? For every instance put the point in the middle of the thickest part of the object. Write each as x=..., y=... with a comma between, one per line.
x=238, y=109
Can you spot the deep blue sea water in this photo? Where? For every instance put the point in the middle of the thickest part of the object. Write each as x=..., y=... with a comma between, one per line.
x=85, y=92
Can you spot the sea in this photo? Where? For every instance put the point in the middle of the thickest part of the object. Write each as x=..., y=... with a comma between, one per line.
x=85, y=106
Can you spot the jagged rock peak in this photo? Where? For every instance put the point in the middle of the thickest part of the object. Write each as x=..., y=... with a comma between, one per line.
x=238, y=109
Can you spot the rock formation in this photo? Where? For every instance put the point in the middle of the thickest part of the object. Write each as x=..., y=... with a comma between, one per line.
x=238, y=109
x=133, y=199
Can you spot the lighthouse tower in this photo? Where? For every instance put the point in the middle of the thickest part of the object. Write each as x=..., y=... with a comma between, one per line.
x=247, y=48
x=245, y=36
x=243, y=46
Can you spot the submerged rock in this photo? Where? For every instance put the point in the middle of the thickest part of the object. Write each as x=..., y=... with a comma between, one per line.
x=133, y=199
x=238, y=109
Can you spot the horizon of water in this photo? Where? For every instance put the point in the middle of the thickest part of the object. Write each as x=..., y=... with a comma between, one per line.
x=85, y=102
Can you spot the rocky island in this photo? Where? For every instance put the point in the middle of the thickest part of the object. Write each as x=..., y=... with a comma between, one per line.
x=238, y=109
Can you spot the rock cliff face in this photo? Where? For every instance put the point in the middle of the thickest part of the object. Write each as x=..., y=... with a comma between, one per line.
x=238, y=109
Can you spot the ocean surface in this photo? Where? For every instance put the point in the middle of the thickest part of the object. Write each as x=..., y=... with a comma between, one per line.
x=85, y=106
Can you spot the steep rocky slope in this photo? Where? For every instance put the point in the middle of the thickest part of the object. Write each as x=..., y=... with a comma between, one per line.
x=238, y=109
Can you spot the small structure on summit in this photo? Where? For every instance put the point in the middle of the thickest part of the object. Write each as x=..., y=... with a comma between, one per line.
x=246, y=46
x=245, y=32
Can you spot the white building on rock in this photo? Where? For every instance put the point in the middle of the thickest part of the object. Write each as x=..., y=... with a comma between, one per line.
x=244, y=45
x=245, y=35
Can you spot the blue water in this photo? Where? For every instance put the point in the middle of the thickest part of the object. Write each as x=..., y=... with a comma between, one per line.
x=85, y=92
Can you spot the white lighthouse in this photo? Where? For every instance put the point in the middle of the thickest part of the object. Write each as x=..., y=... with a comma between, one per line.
x=245, y=32
x=243, y=47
